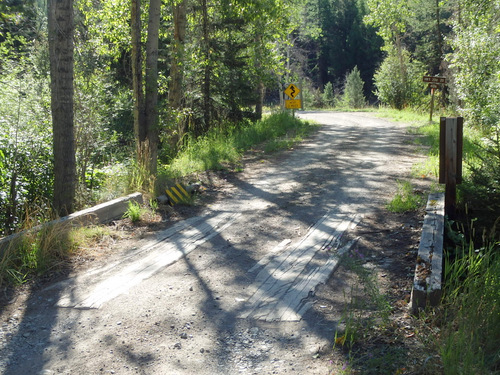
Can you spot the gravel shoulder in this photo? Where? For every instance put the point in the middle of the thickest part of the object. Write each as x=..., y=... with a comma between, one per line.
x=184, y=318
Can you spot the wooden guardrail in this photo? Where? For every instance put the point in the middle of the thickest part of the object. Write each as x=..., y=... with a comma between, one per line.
x=429, y=266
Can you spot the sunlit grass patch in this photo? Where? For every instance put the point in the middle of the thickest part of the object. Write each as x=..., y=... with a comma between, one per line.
x=225, y=146
x=35, y=251
x=405, y=199
x=428, y=168
x=408, y=116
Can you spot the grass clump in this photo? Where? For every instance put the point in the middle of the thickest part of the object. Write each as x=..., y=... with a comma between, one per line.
x=405, y=199
x=34, y=252
x=134, y=212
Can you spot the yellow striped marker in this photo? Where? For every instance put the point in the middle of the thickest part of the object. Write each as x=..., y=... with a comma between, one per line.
x=177, y=194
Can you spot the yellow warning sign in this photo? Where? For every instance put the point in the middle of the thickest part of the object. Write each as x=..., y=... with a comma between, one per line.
x=292, y=91
x=293, y=104
x=177, y=194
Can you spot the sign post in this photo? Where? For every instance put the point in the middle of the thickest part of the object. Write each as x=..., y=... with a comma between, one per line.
x=450, y=160
x=434, y=83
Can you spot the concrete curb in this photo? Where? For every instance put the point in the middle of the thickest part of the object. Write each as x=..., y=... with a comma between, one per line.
x=429, y=268
x=104, y=212
x=101, y=213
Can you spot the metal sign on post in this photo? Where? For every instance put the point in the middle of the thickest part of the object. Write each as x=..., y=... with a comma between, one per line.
x=293, y=103
x=292, y=91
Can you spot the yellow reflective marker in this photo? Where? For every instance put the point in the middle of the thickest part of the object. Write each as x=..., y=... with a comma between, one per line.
x=177, y=194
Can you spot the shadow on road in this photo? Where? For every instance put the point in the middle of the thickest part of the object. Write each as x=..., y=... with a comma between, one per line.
x=341, y=167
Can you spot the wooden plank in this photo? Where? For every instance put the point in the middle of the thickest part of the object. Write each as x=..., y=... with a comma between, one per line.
x=275, y=279
x=451, y=167
x=274, y=252
x=290, y=303
x=428, y=269
x=281, y=288
x=285, y=260
x=295, y=297
x=155, y=258
x=442, y=143
x=460, y=146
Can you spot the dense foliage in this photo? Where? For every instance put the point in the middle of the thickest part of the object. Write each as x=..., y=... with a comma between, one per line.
x=219, y=63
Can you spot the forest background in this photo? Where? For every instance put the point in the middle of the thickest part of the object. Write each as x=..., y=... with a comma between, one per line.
x=151, y=78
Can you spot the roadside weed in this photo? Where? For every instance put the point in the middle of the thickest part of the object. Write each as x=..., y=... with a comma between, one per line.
x=405, y=199
x=429, y=168
x=134, y=212
x=38, y=250
x=223, y=146
x=34, y=252
x=153, y=204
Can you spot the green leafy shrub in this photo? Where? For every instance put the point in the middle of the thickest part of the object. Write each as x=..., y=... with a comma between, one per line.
x=399, y=80
x=25, y=142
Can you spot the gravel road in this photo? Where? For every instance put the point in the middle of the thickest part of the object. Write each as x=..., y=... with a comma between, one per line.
x=184, y=316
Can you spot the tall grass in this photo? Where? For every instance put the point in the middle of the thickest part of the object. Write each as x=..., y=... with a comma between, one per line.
x=223, y=146
x=34, y=252
x=470, y=340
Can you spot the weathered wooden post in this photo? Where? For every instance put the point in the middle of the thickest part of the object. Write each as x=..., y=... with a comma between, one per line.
x=450, y=160
x=432, y=103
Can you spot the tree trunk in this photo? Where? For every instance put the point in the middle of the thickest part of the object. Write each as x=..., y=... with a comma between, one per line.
x=208, y=68
x=145, y=104
x=151, y=105
x=139, y=106
x=438, y=31
x=176, y=71
x=60, y=22
x=261, y=90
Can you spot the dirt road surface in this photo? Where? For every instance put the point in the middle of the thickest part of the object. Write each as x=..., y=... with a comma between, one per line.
x=234, y=288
